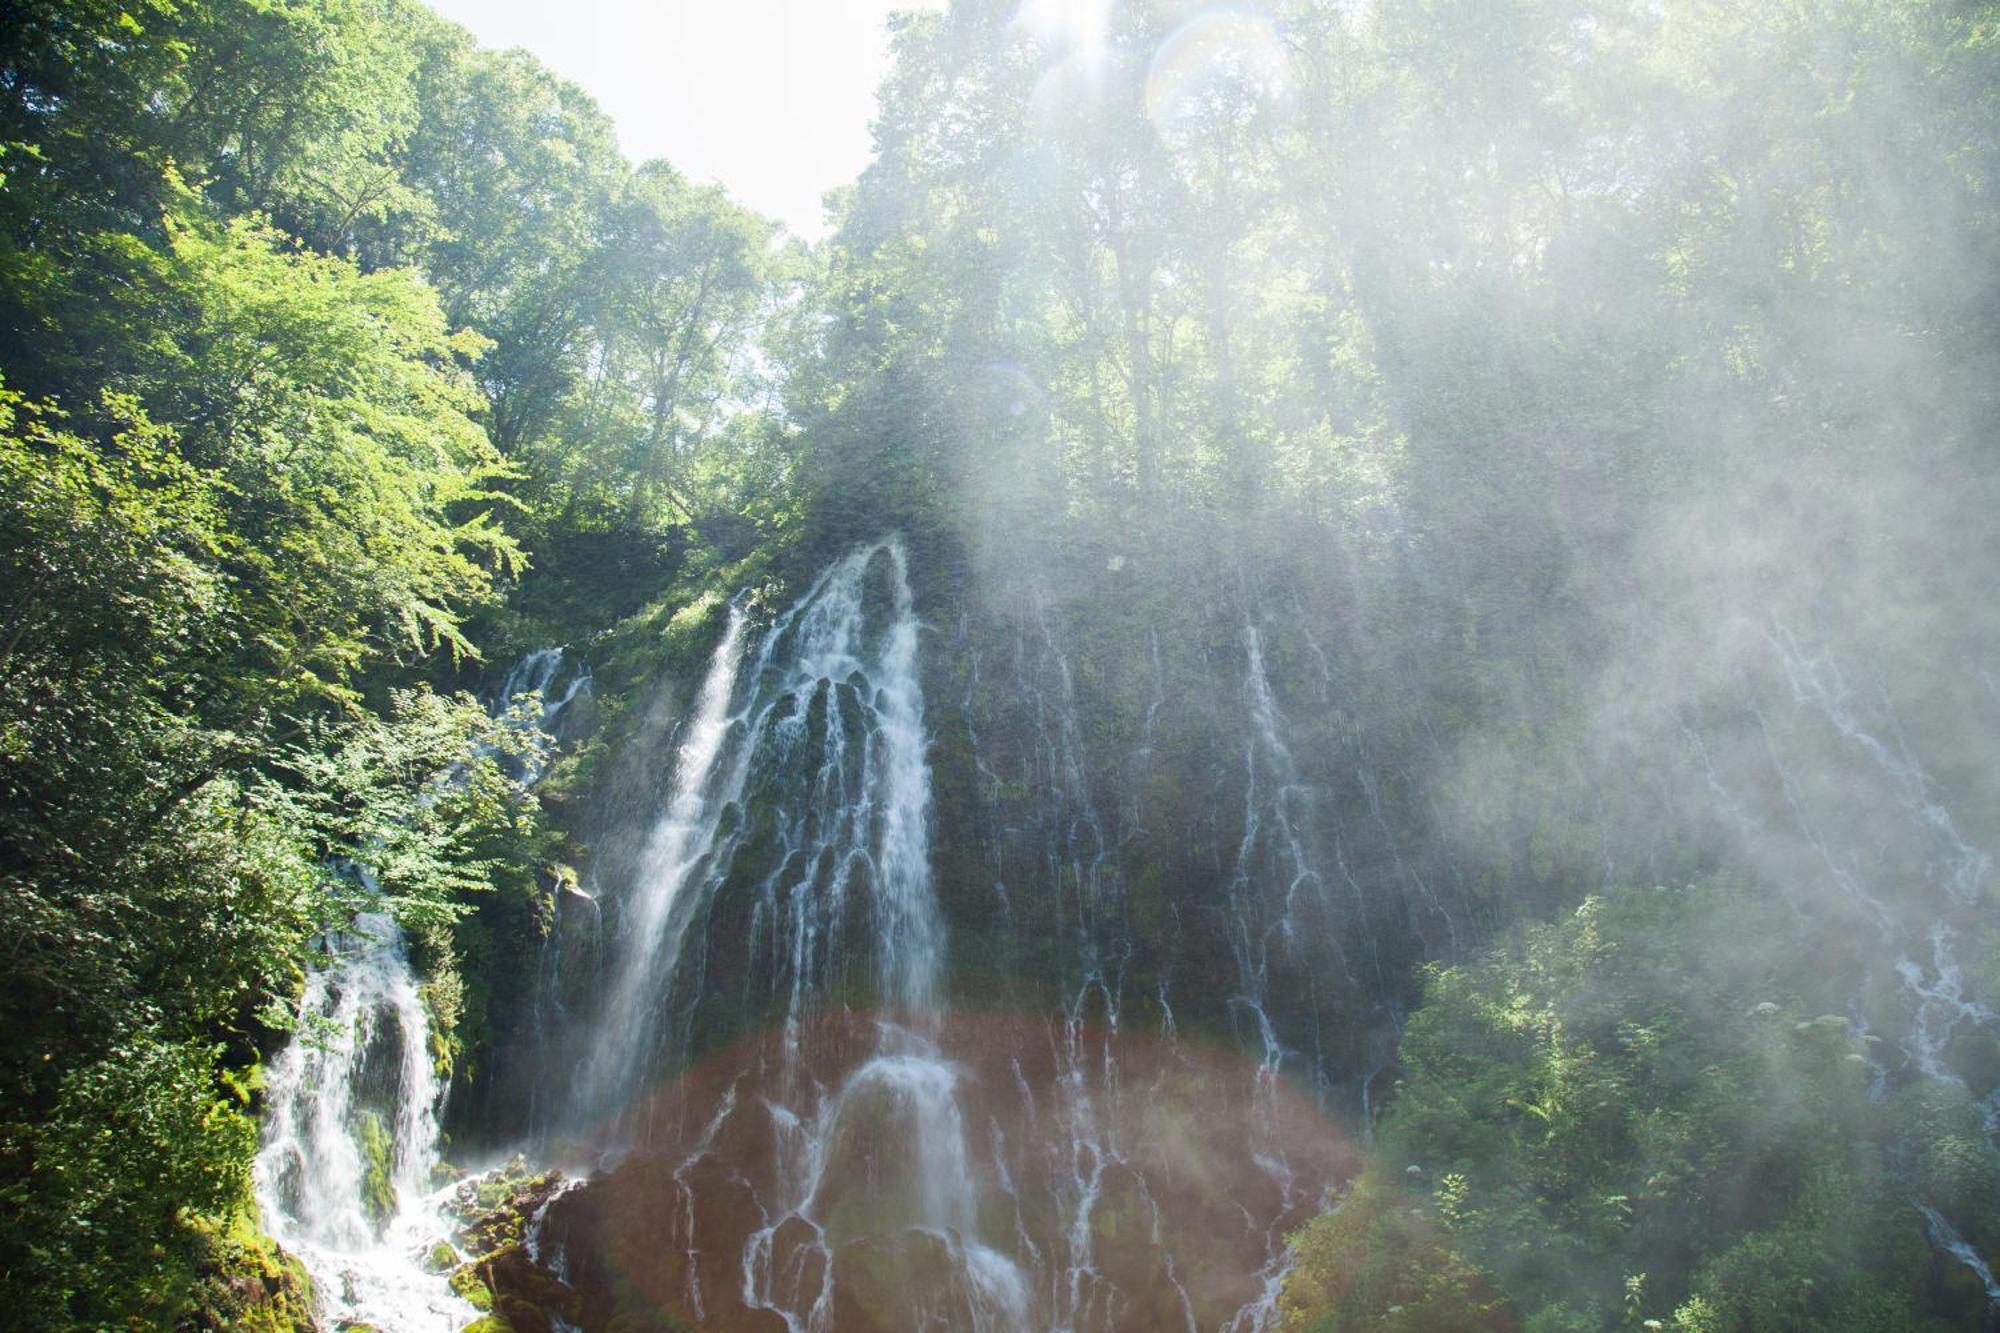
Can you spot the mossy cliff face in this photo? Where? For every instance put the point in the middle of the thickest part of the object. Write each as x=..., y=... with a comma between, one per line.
x=1186, y=855
x=1177, y=795
x=1174, y=782
x=1186, y=809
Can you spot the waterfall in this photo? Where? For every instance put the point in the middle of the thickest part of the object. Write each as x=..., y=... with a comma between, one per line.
x=1884, y=839
x=771, y=1090
x=1946, y=1238
x=536, y=676
x=351, y=1139
x=863, y=826
x=678, y=839
x=799, y=814
x=1276, y=850
x=910, y=1098
x=1934, y=987
x=829, y=740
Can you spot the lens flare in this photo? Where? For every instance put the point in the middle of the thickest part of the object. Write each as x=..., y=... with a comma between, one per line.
x=1223, y=63
x=1063, y=97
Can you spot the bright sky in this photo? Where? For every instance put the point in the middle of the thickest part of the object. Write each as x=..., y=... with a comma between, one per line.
x=770, y=97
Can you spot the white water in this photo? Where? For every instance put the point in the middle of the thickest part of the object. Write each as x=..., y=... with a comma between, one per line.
x=360, y=1066
x=867, y=817
x=866, y=812
x=874, y=838
x=1276, y=847
x=1946, y=1238
x=856, y=812
x=362, y=1051
x=679, y=838
x=1088, y=1101
x=828, y=726
x=536, y=676
x=905, y=1097
x=1934, y=986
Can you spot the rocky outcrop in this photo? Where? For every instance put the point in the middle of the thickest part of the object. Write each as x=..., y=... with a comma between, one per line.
x=500, y=1214
x=247, y=1283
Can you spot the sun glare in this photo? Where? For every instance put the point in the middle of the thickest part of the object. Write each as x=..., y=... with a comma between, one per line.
x=1080, y=27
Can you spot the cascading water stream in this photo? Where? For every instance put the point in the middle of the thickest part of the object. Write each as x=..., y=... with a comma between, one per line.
x=1275, y=847
x=1932, y=980
x=1933, y=987
x=351, y=1139
x=678, y=840
x=1077, y=858
x=805, y=811
x=1945, y=1236
x=534, y=677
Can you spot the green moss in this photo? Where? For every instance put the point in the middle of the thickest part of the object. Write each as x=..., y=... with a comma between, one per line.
x=467, y=1282
x=245, y=1281
x=378, y=1152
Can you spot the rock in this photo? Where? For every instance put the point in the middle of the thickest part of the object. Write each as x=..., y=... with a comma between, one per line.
x=246, y=1283
x=528, y=1296
x=470, y=1284
x=798, y=1262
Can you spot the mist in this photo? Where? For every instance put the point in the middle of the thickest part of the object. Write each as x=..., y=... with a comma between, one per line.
x=1326, y=665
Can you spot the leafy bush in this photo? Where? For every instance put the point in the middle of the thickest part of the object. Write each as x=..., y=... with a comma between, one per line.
x=137, y=1142
x=1642, y=1112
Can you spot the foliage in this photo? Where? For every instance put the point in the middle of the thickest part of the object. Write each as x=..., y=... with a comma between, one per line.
x=1637, y=1113
x=258, y=472
x=280, y=105
x=1378, y=1262
x=246, y=1282
x=135, y=1140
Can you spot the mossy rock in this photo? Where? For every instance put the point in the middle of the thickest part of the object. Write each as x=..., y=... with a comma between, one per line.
x=378, y=1151
x=491, y=1323
x=244, y=1281
x=441, y=1258
x=471, y=1288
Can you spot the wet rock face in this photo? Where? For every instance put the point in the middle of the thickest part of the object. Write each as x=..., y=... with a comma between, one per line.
x=1010, y=1173
x=500, y=1215
x=1191, y=912
x=1196, y=813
